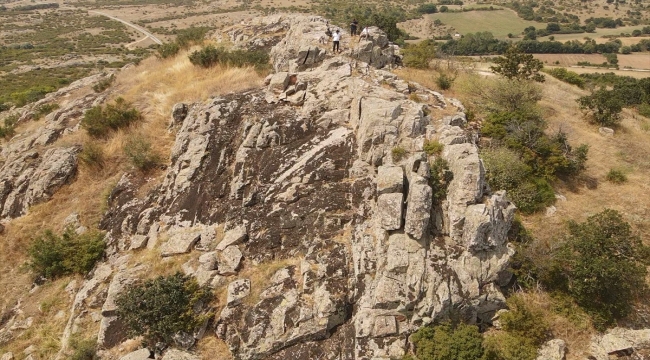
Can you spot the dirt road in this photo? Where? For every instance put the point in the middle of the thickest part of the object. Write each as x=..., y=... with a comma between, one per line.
x=136, y=27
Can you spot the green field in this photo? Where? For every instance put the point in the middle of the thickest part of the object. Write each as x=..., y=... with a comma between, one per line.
x=599, y=33
x=498, y=22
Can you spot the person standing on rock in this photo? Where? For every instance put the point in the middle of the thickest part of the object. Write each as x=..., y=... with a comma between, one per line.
x=353, y=27
x=336, y=38
x=365, y=33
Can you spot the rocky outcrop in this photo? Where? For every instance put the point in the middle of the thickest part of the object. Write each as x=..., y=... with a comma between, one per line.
x=290, y=199
x=552, y=350
x=619, y=342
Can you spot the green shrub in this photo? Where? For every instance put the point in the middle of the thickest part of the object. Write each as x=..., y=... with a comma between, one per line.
x=190, y=36
x=433, y=147
x=644, y=110
x=44, y=109
x=427, y=8
x=7, y=130
x=444, y=81
x=506, y=346
x=525, y=321
x=104, y=84
x=616, y=176
x=210, y=56
x=603, y=106
x=533, y=196
x=84, y=349
x=138, y=150
x=446, y=342
x=419, y=55
x=92, y=155
x=54, y=255
x=567, y=76
x=4, y=107
x=99, y=121
x=518, y=65
x=168, y=50
x=602, y=265
x=30, y=95
x=398, y=153
x=160, y=308
x=440, y=179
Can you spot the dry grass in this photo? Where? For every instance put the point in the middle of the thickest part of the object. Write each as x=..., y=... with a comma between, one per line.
x=629, y=148
x=153, y=87
x=259, y=276
x=212, y=348
x=576, y=331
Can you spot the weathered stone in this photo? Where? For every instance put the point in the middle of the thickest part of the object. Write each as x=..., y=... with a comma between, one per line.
x=138, y=242
x=618, y=340
x=7, y=356
x=486, y=225
x=390, y=179
x=389, y=208
x=384, y=326
x=180, y=242
x=142, y=354
x=279, y=82
x=229, y=260
x=455, y=120
x=418, y=208
x=605, y=131
x=238, y=290
x=209, y=260
x=112, y=331
x=552, y=350
x=174, y=354
x=179, y=113
x=233, y=236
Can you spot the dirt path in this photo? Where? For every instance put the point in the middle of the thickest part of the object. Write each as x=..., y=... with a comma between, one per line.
x=136, y=27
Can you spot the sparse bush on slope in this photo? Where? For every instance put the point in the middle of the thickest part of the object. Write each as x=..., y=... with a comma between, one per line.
x=160, y=308
x=210, y=56
x=53, y=255
x=99, y=121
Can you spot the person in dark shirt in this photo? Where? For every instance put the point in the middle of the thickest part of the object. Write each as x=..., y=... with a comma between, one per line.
x=353, y=27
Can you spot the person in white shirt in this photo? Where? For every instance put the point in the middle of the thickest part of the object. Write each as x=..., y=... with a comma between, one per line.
x=336, y=38
x=365, y=33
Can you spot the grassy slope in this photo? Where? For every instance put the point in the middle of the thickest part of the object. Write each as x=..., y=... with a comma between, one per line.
x=628, y=149
x=153, y=87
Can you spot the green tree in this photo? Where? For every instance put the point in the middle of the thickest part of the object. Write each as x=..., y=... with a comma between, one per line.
x=158, y=309
x=602, y=265
x=603, y=106
x=518, y=65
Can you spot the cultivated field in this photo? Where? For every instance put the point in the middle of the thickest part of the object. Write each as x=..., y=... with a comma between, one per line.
x=632, y=61
x=499, y=22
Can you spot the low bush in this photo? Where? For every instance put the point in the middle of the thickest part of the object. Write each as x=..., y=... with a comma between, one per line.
x=427, y=8
x=34, y=93
x=168, y=50
x=160, y=308
x=419, y=55
x=84, y=349
x=44, y=110
x=100, y=121
x=53, y=255
x=210, y=56
x=440, y=179
x=644, y=110
x=525, y=321
x=603, y=107
x=138, y=150
x=445, y=341
x=190, y=36
x=433, y=147
x=602, y=266
x=92, y=155
x=104, y=84
x=444, y=81
x=398, y=153
x=7, y=130
x=616, y=176
x=506, y=346
x=567, y=76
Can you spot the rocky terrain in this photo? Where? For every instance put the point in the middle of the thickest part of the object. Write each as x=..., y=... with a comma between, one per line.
x=321, y=179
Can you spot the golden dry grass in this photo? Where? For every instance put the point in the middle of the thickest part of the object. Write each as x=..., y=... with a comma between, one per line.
x=153, y=87
x=628, y=149
x=212, y=348
x=574, y=328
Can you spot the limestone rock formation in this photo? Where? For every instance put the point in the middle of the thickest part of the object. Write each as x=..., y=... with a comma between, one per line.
x=552, y=350
x=619, y=342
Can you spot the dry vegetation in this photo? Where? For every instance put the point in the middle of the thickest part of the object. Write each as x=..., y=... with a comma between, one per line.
x=153, y=87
